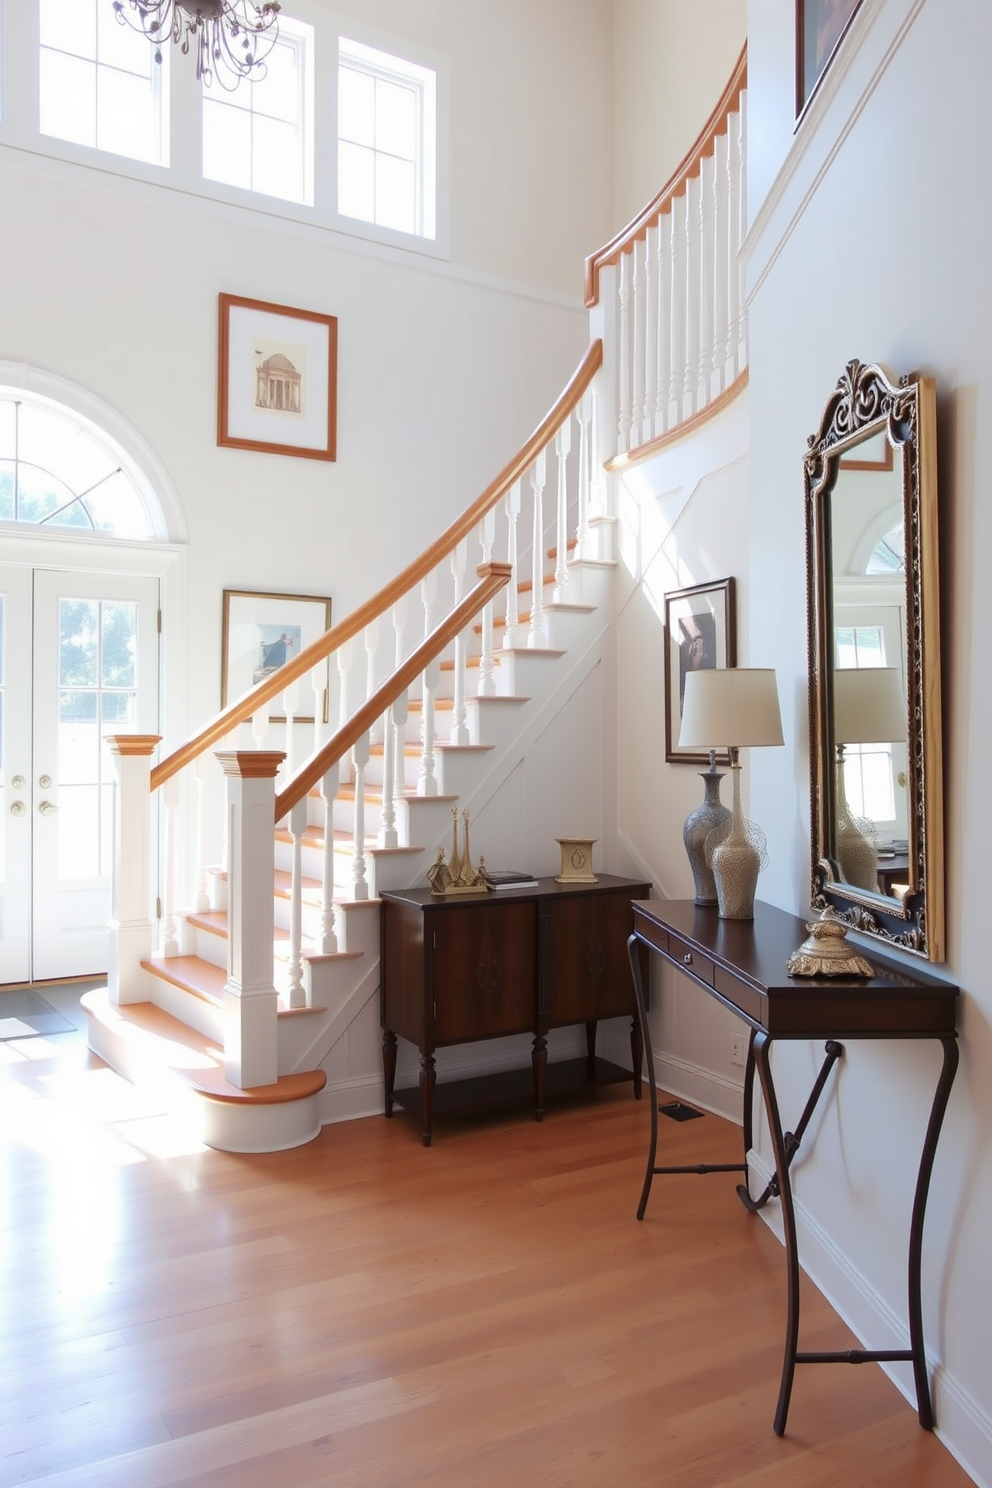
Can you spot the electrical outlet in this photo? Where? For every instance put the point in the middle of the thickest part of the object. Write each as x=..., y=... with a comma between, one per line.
x=738, y=1048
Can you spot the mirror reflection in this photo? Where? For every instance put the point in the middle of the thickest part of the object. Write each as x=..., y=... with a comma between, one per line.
x=869, y=847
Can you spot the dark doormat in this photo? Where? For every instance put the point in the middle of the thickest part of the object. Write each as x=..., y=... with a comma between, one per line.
x=24, y=1014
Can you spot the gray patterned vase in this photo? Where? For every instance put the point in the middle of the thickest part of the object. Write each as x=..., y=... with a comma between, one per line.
x=698, y=826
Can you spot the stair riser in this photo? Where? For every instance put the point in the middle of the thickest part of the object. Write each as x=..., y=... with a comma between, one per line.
x=189, y=1009
x=526, y=674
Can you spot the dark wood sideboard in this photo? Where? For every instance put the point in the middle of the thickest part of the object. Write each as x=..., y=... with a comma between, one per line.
x=481, y=966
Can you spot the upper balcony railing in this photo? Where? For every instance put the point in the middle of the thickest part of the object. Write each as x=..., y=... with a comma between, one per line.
x=672, y=291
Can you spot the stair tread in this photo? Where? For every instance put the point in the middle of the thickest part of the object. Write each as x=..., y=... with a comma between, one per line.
x=192, y=973
x=192, y=1055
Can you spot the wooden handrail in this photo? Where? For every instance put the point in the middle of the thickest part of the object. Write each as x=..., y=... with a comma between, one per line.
x=308, y=658
x=493, y=577
x=637, y=229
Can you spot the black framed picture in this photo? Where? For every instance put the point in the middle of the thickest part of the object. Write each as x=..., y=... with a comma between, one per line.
x=820, y=26
x=700, y=633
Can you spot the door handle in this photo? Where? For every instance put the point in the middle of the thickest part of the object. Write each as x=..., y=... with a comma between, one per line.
x=17, y=808
x=48, y=808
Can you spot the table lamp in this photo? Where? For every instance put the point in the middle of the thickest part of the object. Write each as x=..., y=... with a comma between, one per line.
x=869, y=708
x=720, y=704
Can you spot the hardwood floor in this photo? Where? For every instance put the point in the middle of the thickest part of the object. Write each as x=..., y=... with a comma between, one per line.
x=365, y=1313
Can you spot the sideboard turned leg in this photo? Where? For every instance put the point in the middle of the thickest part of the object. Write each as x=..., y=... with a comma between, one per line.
x=428, y=1079
x=539, y=1059
x=389, y=1067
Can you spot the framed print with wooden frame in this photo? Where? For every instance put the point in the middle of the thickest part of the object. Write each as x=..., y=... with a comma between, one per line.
x=820, y=27
x=700, y=634
x=276, y=379
x=260, y=633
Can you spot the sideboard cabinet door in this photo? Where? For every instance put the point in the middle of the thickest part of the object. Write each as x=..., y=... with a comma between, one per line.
x=588, y=967
x=485, y=971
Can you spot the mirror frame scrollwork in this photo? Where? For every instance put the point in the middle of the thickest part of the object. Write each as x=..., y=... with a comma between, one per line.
x=866, y=402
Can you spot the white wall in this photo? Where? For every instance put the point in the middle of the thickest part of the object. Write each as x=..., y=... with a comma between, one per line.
x=874, y=244
x=671, y=63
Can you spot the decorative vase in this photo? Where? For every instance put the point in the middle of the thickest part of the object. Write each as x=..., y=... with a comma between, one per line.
x=736, y=860
x=711, y=816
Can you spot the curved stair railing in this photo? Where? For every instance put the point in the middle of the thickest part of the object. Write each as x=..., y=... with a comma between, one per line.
x=369, y=705
x=671, y=293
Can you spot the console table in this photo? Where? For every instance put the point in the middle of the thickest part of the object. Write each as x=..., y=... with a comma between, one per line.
x=742, y=964
x=465, y=967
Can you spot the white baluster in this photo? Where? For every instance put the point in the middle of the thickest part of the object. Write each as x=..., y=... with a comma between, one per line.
x=296, y=997
x=327, y=942
x=583, y=414
x=734, y=221
x=487, y=535
x=563, y=445
x=511, y=629
x=690, y=380
x=639, y=312
x=427, y=782
x=371, y=647
x=291, y=706
x=219, y=901
x=626, y=269
x=650, y=332
x=536, y=637
x=321, y=702
x=741, y=232
x=399, y=631
x=677, y=318
x=721, y=257
x=359, y=759
x=260, y=726
x=707, y=272
x=663, y=248
x=201, y=774
x=598, y=491
x=345, y=654
x=401, y=712
x=171, y=792
x=387, y=815
x=459, y=714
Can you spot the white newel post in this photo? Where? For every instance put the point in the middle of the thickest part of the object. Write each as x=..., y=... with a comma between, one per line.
x=250, y=1003
x=130, y=924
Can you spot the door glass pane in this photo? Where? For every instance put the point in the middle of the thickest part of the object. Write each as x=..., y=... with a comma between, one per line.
x=79, y=739
x=78, y=642
x=7, y=490
x=119, y=627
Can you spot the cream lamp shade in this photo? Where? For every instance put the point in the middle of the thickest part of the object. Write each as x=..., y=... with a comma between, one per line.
x=869, y=706
x=727, y=707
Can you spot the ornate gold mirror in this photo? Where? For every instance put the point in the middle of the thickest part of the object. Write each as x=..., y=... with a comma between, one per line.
x=874, y=660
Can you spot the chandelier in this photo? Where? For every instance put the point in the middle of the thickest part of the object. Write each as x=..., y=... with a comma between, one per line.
x=233, y=37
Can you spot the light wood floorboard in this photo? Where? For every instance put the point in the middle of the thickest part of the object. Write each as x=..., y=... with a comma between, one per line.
x=364, y=1313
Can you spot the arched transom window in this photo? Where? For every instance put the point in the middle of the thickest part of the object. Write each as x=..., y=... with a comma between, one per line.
x=57, y=469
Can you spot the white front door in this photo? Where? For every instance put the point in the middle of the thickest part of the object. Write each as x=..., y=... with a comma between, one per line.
x=79, y=661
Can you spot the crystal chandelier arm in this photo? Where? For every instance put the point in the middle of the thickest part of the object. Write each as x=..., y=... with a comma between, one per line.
x=233, y=37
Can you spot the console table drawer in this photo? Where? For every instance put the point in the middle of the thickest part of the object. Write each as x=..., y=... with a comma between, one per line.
x=689, y=958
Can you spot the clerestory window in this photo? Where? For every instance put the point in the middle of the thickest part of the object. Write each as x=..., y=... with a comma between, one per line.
x=260, y=135
x=99, y=83
x=387, y=140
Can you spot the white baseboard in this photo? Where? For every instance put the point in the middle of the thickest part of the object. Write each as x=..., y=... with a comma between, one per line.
x=350, y=1100
x=700, y=1087
x=963, y=1427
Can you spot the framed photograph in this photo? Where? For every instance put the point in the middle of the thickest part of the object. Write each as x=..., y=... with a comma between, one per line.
x=700, y=633
x=820, y=25
x=263, y=631
x=277, y=379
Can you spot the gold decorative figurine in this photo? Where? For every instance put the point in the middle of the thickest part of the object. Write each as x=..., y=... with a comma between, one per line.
x=457, y=876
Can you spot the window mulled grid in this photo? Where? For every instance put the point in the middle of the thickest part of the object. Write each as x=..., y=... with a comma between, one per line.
x=386, y=140
x=259, y=137
x=99, y=83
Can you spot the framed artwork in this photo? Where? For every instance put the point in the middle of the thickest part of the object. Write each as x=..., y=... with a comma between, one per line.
x=263, y=631
x=700, y=633
x=820, y=24
x=276, y=379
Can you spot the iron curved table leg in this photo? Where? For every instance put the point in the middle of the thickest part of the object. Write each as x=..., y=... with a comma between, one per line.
x=762, y=1058
x=642, y=1019
x=940, y=1097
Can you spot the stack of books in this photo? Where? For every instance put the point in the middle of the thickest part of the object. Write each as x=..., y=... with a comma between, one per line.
x=509, y=878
